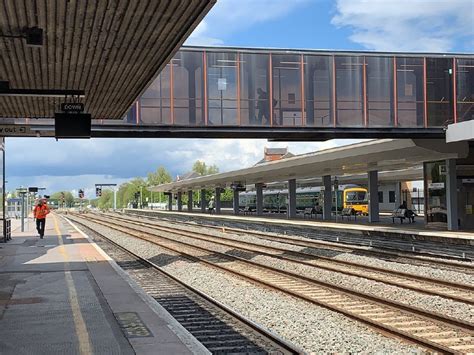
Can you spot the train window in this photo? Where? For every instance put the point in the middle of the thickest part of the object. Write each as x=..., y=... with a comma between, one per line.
x=355, y=196
x=380, y=196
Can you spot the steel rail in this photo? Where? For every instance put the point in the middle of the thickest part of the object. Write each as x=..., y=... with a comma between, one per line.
x=285, y=345
x=327, y=244
x=467, y=291
x=332, y=296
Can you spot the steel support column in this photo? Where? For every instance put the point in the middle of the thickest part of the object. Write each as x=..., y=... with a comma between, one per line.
x=235, y=202
x=292, y=198
x=327, y=203
x=259, y=198
x=398, y=194
x=190, y=200
x=170, y=202
x=203, y=200
x=373, y=196
x=451, y=195
x=179, y=200
x=218, y=200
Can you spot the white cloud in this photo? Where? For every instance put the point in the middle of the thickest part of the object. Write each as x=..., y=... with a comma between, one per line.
x=408, y=25
x=230, y=16
x=73, y=164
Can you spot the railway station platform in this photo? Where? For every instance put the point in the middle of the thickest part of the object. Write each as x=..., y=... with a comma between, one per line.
x=411, y=232
x=64, y=295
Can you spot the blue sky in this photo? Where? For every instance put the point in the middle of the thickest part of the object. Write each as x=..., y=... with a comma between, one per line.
x=385, y=25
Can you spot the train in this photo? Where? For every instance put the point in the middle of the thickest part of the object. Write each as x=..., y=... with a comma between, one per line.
x=276, y=201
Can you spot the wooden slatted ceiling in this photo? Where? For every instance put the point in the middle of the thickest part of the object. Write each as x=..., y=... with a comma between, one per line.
x=112, y=49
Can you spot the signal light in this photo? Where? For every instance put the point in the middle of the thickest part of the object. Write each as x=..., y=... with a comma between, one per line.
x=81, y=193
x=98, y=191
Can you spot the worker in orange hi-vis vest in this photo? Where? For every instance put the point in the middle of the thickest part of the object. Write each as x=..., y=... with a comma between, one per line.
x=40, y=212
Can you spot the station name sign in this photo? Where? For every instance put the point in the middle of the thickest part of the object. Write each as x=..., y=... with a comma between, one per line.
x=72, y=107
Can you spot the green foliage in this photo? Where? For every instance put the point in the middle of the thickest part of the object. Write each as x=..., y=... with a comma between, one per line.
x=201, y=168
x=160, y=176
x=68, y=198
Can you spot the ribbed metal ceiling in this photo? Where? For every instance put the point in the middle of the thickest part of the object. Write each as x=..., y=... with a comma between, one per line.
x=112, y=49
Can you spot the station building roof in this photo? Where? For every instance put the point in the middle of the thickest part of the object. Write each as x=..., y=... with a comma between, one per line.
x=111, y=50
x=384, y=155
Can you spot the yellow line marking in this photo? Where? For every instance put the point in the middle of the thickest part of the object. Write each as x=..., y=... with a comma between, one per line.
x=79, y=324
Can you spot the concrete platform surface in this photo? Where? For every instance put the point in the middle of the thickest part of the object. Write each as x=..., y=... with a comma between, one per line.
x=415, y=230
x=63, y=295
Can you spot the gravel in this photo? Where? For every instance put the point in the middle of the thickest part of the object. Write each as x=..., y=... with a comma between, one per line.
x=313, y=328
x=437, y=304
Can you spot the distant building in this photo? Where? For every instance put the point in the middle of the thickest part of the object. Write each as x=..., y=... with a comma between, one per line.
x=272, y=154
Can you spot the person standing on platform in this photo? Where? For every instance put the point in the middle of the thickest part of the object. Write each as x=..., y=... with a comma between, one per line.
x=39, y=213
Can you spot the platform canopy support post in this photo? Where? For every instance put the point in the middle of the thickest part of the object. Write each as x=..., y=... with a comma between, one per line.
x=179, y=200
x=203, y=201
x=235, y=201
x=190, y=200
x=170, y=201
x=327, y=198
x=292, y=198
x=373, y=196
x=259, y=198
x=398, y=194
x=218, y=200
x=451, y=195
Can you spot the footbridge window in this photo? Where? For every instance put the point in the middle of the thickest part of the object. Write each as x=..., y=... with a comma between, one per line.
x=349, y=91
x=465, y=89
x=410, y=92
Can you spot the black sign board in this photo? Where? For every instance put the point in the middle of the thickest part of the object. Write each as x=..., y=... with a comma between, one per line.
x=72, y=107
x=32, y=189
x=72, y=125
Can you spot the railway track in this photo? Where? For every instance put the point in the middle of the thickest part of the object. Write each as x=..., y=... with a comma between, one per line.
x=416, y=258
x=218, y=328
x=433, y=331
x=431, y=286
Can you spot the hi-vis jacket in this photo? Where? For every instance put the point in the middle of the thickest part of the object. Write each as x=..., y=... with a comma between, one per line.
x=40, y=212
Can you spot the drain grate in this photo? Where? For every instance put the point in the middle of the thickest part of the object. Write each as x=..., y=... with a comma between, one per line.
x=132, y=325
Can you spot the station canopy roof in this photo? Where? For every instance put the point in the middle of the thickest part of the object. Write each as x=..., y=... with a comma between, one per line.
x=112, y=50
x=393, y=158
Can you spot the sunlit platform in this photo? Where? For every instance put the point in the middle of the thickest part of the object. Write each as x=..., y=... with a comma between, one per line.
x=63, y=294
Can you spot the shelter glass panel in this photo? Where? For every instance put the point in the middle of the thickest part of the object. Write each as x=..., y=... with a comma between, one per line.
x=286, y=71
x=435, y=192
x=439, y=91
x=188, y=88
x=155, y=103
x=318, y=90
x=222, y=88
x=380, y=91
x=349, y=91
x=465, y=89
x=254, y=89
x=410, y=91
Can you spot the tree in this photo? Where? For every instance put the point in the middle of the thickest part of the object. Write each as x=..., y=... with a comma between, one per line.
x=160, y=176
x=106, y=200
x=68, y=198
x=202, y=169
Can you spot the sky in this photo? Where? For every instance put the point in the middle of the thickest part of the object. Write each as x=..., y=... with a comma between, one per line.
x=382, y=25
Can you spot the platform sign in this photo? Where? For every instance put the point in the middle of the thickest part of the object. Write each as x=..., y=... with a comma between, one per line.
x=14, y=130
x=72, y=107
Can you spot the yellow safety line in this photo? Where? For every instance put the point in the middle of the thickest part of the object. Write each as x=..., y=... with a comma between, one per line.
x=79, y=324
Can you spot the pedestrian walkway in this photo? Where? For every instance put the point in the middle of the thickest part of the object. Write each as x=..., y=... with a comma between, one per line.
x=63, y=295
